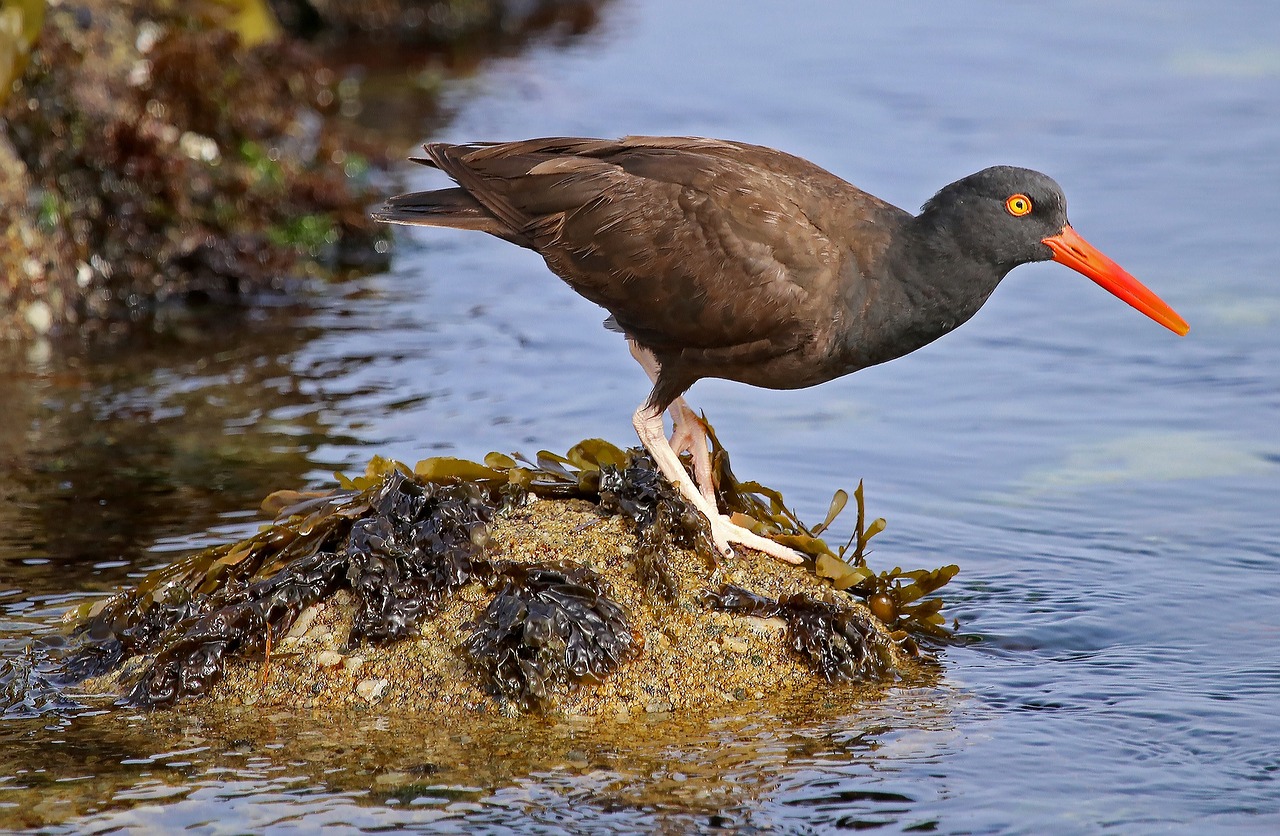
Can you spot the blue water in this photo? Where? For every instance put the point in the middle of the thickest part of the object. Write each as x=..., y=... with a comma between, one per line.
x=1109, y=490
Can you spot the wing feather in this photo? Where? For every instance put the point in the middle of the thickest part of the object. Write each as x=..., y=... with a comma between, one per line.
x=690, y=243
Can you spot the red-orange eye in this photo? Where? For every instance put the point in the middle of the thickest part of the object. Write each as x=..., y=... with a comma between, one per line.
x=1018, y=205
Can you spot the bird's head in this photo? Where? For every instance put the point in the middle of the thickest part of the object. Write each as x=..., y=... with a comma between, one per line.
x=1005, y=216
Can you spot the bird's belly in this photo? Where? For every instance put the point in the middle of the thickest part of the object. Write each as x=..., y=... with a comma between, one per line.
x=803, y=366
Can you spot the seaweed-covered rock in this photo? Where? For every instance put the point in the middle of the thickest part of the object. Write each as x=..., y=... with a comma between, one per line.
x=663, y=520
x=434, y=22
x=159, y=155
x=161, y=159
x=401, y=547
x=455, y=588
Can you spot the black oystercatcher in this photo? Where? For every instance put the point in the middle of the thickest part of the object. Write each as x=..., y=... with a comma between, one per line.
x=721, y=259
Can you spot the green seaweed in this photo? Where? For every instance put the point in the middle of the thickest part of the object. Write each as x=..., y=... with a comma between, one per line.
x=895, y=597
x=310, y=233
x=260, y=167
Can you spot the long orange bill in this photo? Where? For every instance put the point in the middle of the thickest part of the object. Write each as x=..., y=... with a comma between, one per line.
x=1078, y=254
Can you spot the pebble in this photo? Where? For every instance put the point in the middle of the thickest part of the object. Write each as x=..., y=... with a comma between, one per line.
x=199, y=147
x=39, y=316
x=371, y=690
x=328, y=659
x=303, y=623
x=765, y=626
x=318, y=633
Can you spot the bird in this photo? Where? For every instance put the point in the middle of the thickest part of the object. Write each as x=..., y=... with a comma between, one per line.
x=722, y=259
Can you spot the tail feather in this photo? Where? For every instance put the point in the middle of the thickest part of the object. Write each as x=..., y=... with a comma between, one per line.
x=454, y=208
x=443, y=207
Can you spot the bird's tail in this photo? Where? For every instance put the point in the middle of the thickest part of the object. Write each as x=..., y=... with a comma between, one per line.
x=443, y=207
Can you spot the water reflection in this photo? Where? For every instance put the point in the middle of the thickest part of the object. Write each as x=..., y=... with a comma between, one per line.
x=813, y=760
x=106, y=453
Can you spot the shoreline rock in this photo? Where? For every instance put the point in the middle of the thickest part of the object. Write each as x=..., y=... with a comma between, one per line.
x=508, y=594
x=159, y=158
x=688, y=656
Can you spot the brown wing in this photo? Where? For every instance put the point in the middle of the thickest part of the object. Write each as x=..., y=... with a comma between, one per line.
x=691, y=244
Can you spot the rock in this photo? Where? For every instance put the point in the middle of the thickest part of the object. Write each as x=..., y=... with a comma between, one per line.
x=542, y=614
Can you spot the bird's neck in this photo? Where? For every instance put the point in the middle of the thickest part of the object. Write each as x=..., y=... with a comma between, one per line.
x=925, y=286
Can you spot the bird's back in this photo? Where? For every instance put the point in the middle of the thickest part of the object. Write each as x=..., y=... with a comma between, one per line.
x=723, y=258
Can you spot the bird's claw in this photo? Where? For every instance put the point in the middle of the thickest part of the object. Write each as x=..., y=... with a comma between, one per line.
x=725, y=532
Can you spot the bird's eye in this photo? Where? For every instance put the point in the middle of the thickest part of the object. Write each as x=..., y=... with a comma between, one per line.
x=1018, y=205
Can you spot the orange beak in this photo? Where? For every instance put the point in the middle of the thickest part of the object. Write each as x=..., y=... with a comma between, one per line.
x=1078, y=254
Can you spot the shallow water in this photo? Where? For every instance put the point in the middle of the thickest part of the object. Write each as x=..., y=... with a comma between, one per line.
x=1109, y=490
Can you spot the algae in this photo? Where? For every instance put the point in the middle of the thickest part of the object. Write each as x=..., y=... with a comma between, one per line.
x=547, y=625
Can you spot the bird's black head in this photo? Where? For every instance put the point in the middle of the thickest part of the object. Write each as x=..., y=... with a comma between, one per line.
x=999, y=216
x=982, y=226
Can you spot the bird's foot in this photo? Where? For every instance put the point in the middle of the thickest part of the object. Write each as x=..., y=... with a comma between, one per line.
x=725, y=532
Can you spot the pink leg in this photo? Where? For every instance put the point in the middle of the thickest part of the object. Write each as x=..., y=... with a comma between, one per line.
x=724, y=532
x=689, y=434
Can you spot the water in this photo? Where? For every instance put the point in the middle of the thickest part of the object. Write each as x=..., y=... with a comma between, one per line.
x=1110, y=491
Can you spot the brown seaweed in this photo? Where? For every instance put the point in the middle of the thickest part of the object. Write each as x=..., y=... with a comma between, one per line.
x=410, y=551
x=894, y=596
x=663, y=520
x=241, y=623
x=547, y=625
x=839, y=643
x=413, y=554
x=624, y=481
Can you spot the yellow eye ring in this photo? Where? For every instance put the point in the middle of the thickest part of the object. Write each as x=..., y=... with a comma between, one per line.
x=1018, y=205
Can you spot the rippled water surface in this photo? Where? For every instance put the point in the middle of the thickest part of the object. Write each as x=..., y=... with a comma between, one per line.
x=1109, y=490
